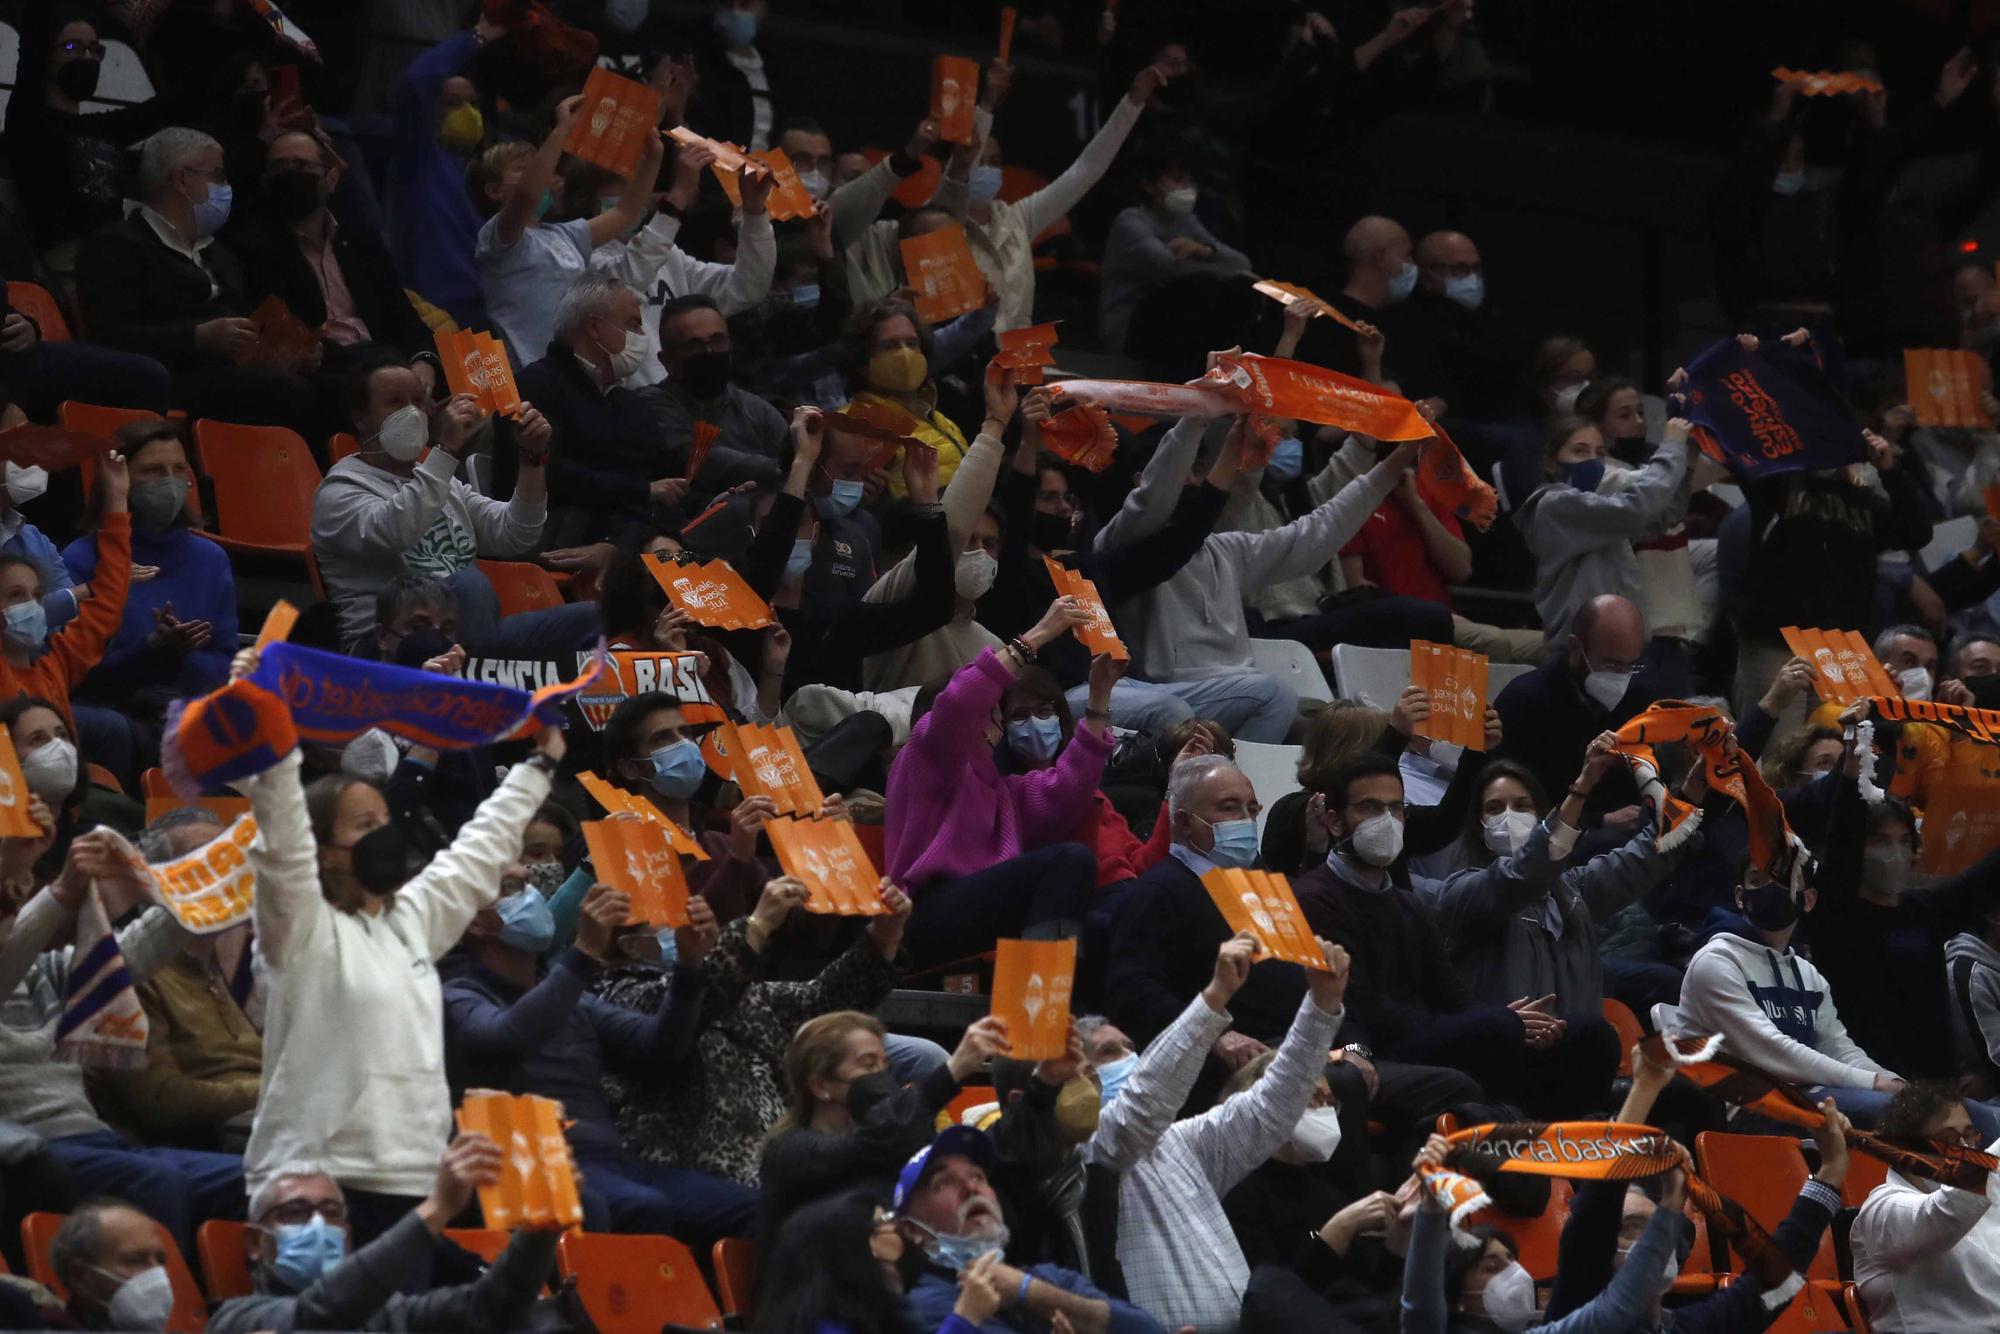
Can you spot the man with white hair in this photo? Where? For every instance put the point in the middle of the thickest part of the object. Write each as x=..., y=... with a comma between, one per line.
x=611, y=476
x=160, y=283
x=296, y=1249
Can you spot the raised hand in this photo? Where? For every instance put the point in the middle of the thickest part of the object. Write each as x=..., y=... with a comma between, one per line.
x=471, y=1161
x=604, y=910
x=984, y=1040
x=1232, y=969
x=887, y=930
x=1328, y=985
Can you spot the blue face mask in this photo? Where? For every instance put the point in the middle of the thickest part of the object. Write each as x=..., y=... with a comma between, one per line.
x=670, y=946
x=1468, y=290
x=1584, y=476
x=1111, y=1076
x=1404, y=283
x=548, y=201
x=844, y=499
x=1035, y=740
x=1288, y=460
x=805, y=298
x=306, y=1251
x=983, y=184
x=526, y=922
x=677, y=769
x=1235, y=842
x=736, y=27
x=27, y=626
x=1788, y=183
x=212, y=212
x=954, y=1252
x=800, y=560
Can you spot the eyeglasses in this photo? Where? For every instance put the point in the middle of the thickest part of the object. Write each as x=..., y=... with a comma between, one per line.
x=93, y=50
x=293, y=1212
x=1368, y=810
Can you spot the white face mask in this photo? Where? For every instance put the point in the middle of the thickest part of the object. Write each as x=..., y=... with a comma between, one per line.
x=1378, y=840
x=1887, y=870
x=372, y=755
x=1914, y=682
x=628, y=358
x=1566, y=398
x=1509, y=1298
x=404, y=433
x=1673, y=1270
x=24, y=484
x=975, y=574
x=1607, y=688
x=816, y=184
x=1445, y=754
x=50, y=769
x=143, y=1301
x=1317, y=1134
x=1181, y=200
x=1507, y=833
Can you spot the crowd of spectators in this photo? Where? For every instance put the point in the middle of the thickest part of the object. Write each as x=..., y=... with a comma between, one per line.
x=1230, y=1141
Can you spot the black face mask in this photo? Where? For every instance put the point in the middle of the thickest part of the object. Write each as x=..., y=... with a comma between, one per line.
x=1985, y=690
x=292, y=195
x=864, y=1093
x=1770, y=907
x=1051, y=532
x=1631, y=449
x=704, y=374
x=381, y=859
x=78, y=79
x=420, y=646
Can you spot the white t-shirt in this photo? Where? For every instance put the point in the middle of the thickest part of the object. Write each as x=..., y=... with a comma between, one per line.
x=751, y=62
x=523, y=281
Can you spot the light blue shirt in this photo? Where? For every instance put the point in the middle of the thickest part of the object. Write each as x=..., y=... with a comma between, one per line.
x=524, y=281
x=1191, y=859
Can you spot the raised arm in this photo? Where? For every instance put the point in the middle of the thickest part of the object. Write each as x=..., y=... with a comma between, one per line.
x=1151, y=501
x=518, y=209
x=613, y=223
x=465, y=877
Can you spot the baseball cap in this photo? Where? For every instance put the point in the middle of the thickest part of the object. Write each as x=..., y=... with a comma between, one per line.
x=960, y=1141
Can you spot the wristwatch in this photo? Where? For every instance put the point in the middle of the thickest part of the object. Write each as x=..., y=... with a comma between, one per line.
x=1361, y=1049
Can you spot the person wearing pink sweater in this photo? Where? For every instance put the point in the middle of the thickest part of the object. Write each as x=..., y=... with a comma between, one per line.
x=985, y=853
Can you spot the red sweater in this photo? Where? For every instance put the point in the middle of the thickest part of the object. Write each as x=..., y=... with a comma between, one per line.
x=1120, y=855
x=77, y=647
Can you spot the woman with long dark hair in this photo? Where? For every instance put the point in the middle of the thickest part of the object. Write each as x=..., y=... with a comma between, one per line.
x=841, y=1266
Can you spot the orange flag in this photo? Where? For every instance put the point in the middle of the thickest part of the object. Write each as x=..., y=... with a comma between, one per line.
x=283, y=340
x=1290, y=294
x=1031, y=986
x=828, y=857
x=954, y=93
x=1961, y=825
x=635, y=855
x=15, y=822
x=1455, y=679
x=1263, y=904
x=617, y=801
x=1843, y=663
x=1311, y=393
x=1083, y=436
x=710, y=591
x=767, y=762
x=1447, y=480
x=1098, y=634
x=940, y=266
x=612, y=126
x=476, y=364
x=1943, y=387
x=537, y=1185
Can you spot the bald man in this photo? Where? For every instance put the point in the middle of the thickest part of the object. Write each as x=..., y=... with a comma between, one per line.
x=1446, y=342
x=1380, y=273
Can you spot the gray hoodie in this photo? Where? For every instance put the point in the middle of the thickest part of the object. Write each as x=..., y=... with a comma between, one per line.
x=1972, y=971
x=1582, y=540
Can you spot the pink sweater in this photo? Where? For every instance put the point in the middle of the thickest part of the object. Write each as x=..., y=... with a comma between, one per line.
x=951, y=812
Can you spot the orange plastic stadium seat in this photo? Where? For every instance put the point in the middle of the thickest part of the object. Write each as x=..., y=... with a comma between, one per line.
x=38, y=304
x=1763, y=1173
x=522, y=586
x=190, y=1313
x=264, y=479
x=635, y=1284
x=735, y=1262
x=223, y=1268
x=1539, y=1238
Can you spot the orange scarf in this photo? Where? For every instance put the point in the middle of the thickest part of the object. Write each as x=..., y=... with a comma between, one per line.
x=1773, y=846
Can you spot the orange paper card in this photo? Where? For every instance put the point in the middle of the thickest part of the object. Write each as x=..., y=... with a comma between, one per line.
x=476, y=364
x=1008, y=15
x=636, y=856
x=612, y=125
x=616, y=801
x=828, y=856
x=1027, y=352
x=948, y=282
x=1031, y=986
x=711, y=592
x=789, y=197
x=705, y=436
x=278, y=623
x=954, y=93
x=1943, y=387
x=767, y=762
x=1097, y=634
x=1297, y=390
x=729, y=159
x=1083, y=436
x=537, y=1185
x=1845, y=667
x=1290, y=294
x=15, y=822
x=1263, y=904
x=1827, y=83
x=1455, y=679
x=1961, y=825
x=283, y=340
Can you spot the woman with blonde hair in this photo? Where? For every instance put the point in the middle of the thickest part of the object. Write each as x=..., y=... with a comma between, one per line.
x=850, y=1124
